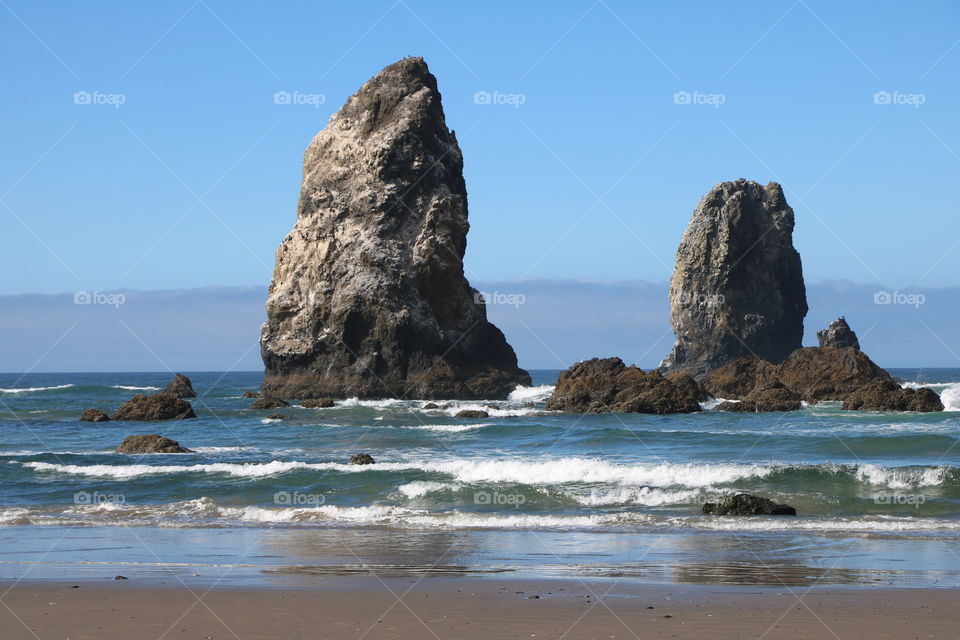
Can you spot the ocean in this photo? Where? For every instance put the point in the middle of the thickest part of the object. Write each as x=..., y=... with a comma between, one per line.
x=524, y=491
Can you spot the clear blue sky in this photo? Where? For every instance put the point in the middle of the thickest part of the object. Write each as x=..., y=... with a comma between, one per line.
x=193, y=180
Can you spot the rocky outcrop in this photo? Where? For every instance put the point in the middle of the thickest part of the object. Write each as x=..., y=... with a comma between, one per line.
x=250, y=394
x=744, y=504
x=737, y=287
x=828, y=373
x=159, y=406
x=180, y=386
x=94, y=415
x=317, y=403
x=269, y=402
x=471, y=413
x=362, y=458
x=738, y=378
x=773, y=397
x=278, y=416
x=150, y=443
x=887, y=395
x=368, y=296
x=838, y=334
x=607, y=384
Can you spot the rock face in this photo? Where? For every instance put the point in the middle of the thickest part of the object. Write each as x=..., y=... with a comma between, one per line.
x=368, y=296
x=738, y=378
x=317, y=403
x=607, y=384
x=737, y=287
x=838, y=334
x=94, y=415
x=887, y=395
x=744, y=504
x=150, y=443
x=828, y=373
x=180, y=386
x=159, y=406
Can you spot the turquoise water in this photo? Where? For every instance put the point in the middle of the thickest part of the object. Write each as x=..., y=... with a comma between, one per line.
x=520, y=475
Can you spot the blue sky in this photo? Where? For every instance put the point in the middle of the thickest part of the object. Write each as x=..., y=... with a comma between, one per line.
x=193, y=179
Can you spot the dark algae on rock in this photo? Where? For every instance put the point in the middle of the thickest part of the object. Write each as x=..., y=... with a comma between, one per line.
x=368, y=297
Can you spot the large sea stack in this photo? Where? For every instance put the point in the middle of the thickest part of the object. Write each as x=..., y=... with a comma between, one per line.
x=368, y=296
x=737, y=288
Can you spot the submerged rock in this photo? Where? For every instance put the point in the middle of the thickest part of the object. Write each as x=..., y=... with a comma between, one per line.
x=430, y=406
x=607, y=384
x=269, y=402
x=159, y=406
x=362, y=458
x=180, y=386
x=368, y=297
x=278, y=416
x=887, y=395
x=317, y=403
x=150, y=443
x=737, y=287
x=838, y=334
x=471, y=413
x=744, y=504
x=94, y=415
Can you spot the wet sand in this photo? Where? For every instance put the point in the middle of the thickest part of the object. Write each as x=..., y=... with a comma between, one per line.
x=463, y=607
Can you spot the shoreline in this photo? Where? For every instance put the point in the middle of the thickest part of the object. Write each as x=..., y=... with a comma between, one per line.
x=464, y=607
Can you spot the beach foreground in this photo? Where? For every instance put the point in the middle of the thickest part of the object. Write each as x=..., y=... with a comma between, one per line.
x=370, y=607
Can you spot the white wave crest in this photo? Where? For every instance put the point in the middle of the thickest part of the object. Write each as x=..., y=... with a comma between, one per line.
x=902, y=478
x=531, y=394
x=421, y=488
x=132, y=388
x=950, y=397
x=30, y=389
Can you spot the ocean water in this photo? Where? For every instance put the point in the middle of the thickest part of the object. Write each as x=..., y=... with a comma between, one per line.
x=614, y=494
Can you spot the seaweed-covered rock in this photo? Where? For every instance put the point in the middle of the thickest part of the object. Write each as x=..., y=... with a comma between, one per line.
x=180, y=386
x=739, y=377
x=94, y=415
x=362, y=458
x=775, y=397
x=150, y=443
x=828, y=373
x=250, y=394
x=887, y=395
x=269, y=402
x=744, y=504
x=159, y=406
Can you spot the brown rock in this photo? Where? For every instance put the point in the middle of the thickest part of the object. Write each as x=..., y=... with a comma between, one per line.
x=150, y=443
x=278, y=416
x=738, y=378
x=773, y=398
x=828, y=373
x=317, y=403
x=838, y=334
x=250, y=394
x=472, y=413
x=159, y=406
x=362, y=458
x=887, y=395
x=94, y=415
x=269, y=402
x=180, y=386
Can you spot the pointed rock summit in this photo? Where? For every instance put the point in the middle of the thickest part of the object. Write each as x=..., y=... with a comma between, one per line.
x=737, y=288
x=368, y=296
x=838, y=334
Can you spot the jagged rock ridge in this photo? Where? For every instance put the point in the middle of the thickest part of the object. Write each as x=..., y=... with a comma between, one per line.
x=737, y=287
x=368, y=296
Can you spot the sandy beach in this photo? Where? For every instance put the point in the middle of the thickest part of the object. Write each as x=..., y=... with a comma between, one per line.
x=350, y=607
